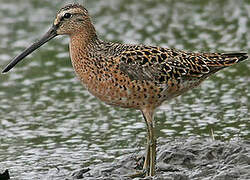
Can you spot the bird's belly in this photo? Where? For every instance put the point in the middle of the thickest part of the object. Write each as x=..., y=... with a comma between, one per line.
x=179, y=88
x=116, y=96
x=123, y=92
x=109, y=91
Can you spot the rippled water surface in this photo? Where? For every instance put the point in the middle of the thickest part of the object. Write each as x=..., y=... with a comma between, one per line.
x=49, y=122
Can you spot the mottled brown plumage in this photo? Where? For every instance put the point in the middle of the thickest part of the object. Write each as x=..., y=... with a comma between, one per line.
x=139, y=76
x=132, y=76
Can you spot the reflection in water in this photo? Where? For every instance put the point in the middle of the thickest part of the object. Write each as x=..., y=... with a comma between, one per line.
x=49, y=120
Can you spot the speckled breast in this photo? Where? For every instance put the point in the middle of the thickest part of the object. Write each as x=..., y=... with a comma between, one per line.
x=112, y=86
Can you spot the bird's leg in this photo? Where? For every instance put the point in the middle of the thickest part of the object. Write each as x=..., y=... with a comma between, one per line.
x=147, y=154
x=146, y=169
x=152, y=151
x=147, y=157
x=149, y=163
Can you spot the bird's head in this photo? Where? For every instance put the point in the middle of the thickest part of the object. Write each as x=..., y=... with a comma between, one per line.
x=71, y=20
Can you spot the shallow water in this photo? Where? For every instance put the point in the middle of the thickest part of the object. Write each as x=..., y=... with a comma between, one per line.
x=49, y=121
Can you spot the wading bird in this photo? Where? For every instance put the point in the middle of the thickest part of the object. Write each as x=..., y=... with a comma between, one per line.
x=130, y=76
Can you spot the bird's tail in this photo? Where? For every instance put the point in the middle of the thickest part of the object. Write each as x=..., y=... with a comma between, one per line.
x=225, y=59
x=218, y=61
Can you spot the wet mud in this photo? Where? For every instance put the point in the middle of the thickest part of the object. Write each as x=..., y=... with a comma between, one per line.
x=181, y=159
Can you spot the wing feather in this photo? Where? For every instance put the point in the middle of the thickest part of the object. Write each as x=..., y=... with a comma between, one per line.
x=161, y=64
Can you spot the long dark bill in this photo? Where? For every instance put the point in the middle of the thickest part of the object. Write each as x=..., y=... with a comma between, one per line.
x=48, y=36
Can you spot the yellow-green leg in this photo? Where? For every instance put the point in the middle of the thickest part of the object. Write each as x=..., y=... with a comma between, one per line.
x=146, y=169
x=147, y=158
x=149, y=163
x=150, y=156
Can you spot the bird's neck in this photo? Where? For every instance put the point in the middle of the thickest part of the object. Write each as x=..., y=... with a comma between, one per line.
x=82, y=39
x=83, y=53
x=89, y=47
x=79, y=45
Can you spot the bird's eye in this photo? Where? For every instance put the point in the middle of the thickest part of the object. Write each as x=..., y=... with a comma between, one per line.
x=67, y=15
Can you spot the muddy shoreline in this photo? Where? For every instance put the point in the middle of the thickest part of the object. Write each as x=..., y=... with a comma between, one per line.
x=182, y=159
x=179, y=159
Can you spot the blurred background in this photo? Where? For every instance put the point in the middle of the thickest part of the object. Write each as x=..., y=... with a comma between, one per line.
x=50, y=125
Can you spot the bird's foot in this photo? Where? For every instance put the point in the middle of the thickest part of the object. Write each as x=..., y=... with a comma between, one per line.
x=138, y=174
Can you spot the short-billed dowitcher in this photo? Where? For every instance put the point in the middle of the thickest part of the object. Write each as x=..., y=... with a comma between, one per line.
x=131, y=76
